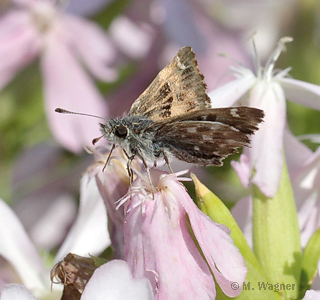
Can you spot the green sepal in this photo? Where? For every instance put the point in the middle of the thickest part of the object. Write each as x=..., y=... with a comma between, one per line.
x=276, y=236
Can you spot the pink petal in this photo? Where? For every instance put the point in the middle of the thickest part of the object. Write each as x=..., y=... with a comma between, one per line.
x=113, y=280
x=304, y=180
x=231, y=92
x=16, y=292
x=19, y=45
x=223, y=257
x=159, y=247
x=309, y=217
x=244, y=168
x=122, y=29
x=296, y=152
x=18, y=250
x=67, y=85
x=93, y=46
x=89, y=234
x=51, y=226
x=311, y=295
x=267, y=143
x=301, y=92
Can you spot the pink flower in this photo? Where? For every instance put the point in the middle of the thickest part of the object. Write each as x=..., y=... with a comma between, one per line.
x=268, y=91
x=113, y=183
x=159, y=246
x=89, y=234
x=306, y=187
x=31, y=29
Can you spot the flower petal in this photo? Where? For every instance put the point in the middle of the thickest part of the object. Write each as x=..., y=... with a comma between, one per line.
x=67, y=85
x=311, y=295
x=223, y=257
x=267, y=143
x=114, y=280
x=301, y=92
x=231, y=92
x=296, y=152
x=158, y=245
x=243, y=168
x=93, y=45
x=89, y=234
x=122, y=29
x=16, y=291
x=19, y=45
x=17, y=248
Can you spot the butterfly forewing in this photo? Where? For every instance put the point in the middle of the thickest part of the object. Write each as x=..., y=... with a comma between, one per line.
x=177, y=89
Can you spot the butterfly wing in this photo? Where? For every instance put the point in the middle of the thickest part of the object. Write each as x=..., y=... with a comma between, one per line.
x=177, y=89
x=206, y=137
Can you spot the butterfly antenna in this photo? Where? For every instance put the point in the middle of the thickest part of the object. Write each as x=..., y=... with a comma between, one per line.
x=64, y=111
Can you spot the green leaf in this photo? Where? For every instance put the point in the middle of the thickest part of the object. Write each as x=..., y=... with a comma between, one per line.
x=276, y=236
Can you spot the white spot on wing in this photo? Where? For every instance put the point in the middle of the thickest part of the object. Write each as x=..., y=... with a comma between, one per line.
x=234, y=113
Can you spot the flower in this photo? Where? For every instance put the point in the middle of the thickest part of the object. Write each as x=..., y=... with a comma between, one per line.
x=112, y=280
x=113, y=184
x=159, y=246
x=31, y=29
x=268, y=91
x=88, y=235
x=306, y=184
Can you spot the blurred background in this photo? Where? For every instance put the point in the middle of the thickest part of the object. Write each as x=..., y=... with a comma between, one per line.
x=97, y=57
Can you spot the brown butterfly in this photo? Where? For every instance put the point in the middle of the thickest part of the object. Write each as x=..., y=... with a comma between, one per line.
x=173, y=118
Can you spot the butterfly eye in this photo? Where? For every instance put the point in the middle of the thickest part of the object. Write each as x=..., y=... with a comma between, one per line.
x=121, y=131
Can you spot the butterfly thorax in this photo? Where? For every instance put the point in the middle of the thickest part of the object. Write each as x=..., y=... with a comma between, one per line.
x=131, y=135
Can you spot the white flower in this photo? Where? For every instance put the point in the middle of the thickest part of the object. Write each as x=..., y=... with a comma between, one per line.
x=267, y=90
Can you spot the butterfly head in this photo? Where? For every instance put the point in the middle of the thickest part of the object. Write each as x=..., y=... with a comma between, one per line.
x=114, y=130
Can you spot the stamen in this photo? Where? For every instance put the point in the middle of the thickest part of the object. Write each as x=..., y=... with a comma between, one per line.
x=256, y=60
x=275, y=55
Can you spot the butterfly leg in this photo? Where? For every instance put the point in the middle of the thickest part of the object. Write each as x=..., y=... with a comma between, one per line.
x=129, y=170
x=108, y=159
x=147, y=169
x=167, y=161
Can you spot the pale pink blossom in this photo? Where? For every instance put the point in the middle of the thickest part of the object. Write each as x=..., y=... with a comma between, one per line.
x=306, y=187
x=63, y=43
x=89, y=235
x=267, y=90
x=304, y=171
x=113, y=183
x=159, y=246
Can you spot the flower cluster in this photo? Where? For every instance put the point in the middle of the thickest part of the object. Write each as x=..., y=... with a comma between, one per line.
x=154, y=240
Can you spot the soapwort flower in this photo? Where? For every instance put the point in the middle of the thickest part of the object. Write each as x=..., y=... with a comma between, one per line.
x=268, y=90
x=177, y=247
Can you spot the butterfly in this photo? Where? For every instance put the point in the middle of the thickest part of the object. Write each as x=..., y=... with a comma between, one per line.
x=173, y=117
